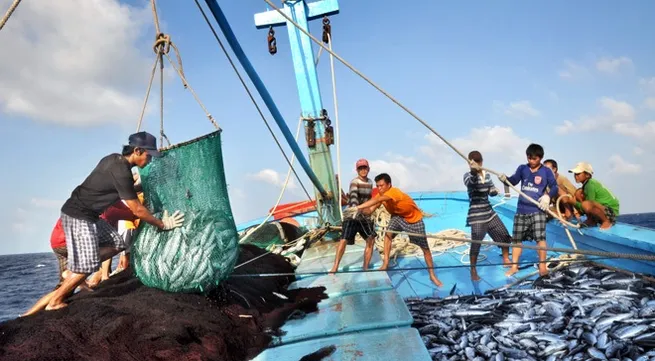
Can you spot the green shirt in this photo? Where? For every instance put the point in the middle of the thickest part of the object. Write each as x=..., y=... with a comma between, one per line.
x=595, y=191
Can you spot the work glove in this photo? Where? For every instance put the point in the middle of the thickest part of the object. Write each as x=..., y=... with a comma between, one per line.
x=503, y=178
x=493, y=191
x=544, y=202
x=350, y=213
x=172, y=221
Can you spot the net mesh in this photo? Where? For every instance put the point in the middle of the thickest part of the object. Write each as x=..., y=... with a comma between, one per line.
x=197, y=256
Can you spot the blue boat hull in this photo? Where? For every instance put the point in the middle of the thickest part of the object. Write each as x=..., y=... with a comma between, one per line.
x=365, y=317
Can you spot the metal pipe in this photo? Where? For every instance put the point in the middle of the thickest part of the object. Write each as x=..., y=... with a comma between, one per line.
x=263, y=92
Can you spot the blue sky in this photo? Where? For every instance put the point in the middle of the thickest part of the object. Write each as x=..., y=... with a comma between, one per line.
x=576, y=77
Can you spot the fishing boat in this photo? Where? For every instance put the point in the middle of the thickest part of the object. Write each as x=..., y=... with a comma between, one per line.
x=366, y=316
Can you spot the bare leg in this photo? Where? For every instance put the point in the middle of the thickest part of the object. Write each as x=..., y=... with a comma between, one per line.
x=368, y=252
x=473, y=257
x=543, y=270
x=124, y=261
x=428, y=261
x=341, y=249
x=516, y=256
x=106, y=268
x=387, y=252
x=67, y=287
x=39, y=305
x=506, y=261
x=596, y=211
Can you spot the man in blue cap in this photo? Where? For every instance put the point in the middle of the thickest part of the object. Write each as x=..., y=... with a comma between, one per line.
x=91, y=240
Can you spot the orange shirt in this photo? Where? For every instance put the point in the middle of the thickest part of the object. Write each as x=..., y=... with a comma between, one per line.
x=402, y=205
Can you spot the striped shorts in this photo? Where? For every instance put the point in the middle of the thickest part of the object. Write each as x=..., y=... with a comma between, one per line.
x=84, y=238
x=62, y=260
x=530, y=227
x=496, y=230
x=399, y=224
x=359, y=225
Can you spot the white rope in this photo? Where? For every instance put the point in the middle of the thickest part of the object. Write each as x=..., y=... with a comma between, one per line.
x=284, y=188
x=336, y=125
x=409, y=111
x=7, y=15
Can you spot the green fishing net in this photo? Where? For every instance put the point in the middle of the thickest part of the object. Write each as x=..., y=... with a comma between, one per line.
x=189, y=177
x=265, y=236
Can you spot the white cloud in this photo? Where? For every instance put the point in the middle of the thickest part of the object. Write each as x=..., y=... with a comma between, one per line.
x=46, y=203
x=271, y=176
x=612, y=65
x=650, y=103
x=642, y=131
x=573, y=70
x=75, y=62
x=648, y=84
x=621, y=166
x=439, y=168
x=638, y=151
x=518, y=109
x=613, y=113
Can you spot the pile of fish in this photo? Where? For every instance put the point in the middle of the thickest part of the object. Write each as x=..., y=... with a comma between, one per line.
x=581, y=312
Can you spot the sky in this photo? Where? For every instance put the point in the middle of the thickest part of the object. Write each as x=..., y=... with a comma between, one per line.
x=576, y=77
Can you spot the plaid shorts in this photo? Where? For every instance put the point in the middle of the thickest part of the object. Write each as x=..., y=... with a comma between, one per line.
x=84, y=238
x=530, y=227
x=62, y=260
x=496, y=230
x=359, y=225
x=609, y=213
x=399, y=224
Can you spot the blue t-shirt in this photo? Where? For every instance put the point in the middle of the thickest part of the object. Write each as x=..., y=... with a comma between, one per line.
x=534, y=185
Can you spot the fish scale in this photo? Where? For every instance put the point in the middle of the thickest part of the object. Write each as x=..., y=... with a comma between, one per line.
x=574, y=316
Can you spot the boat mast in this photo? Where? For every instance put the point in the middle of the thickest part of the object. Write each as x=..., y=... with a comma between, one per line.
x=312, y=111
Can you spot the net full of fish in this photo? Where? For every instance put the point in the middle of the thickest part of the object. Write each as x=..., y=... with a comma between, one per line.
x=578, y=313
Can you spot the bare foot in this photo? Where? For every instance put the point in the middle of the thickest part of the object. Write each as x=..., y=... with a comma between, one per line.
x=507, y=263
x=606, y=225
x=474, y=275
x=543, y=270
x=512, y=271
x=55, y=307
x=436, y=281
x=384, y=267
x=333, y=271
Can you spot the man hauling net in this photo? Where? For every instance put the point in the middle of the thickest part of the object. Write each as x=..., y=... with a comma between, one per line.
x=89, y=239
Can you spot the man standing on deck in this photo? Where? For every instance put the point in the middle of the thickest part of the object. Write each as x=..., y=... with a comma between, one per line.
x=359, y=192
x=89, y=239
x=405, y=217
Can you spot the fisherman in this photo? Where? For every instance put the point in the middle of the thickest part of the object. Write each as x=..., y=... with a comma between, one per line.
x=58, y=244
x=406, y=216
x=530, y=220
x=481, y=217
x=89, y=239
x=598, y=203
x=566, y=190
x=359, y=192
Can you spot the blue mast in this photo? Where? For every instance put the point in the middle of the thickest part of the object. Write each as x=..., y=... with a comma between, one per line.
x=308, y=89
x=263, y=92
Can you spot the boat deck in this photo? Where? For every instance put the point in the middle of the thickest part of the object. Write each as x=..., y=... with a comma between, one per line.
x=365, y=317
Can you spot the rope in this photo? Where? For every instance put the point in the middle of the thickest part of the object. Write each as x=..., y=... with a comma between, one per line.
x=254, y=102
x=568, y=233
x=632, y=256
x=8, y=14
x=323, y=273
x=410, y=112
x=336, y=118
x=279, y=198
x=145, y=101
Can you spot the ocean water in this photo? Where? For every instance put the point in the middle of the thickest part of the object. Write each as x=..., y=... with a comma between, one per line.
x=25, y=278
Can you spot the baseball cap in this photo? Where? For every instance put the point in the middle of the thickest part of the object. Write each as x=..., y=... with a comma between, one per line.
x=361, y=163
x=582, y=167
x=146, y=141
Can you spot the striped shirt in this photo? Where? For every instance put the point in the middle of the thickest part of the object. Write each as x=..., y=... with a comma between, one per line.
x=480, y=187
x=359, y=192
